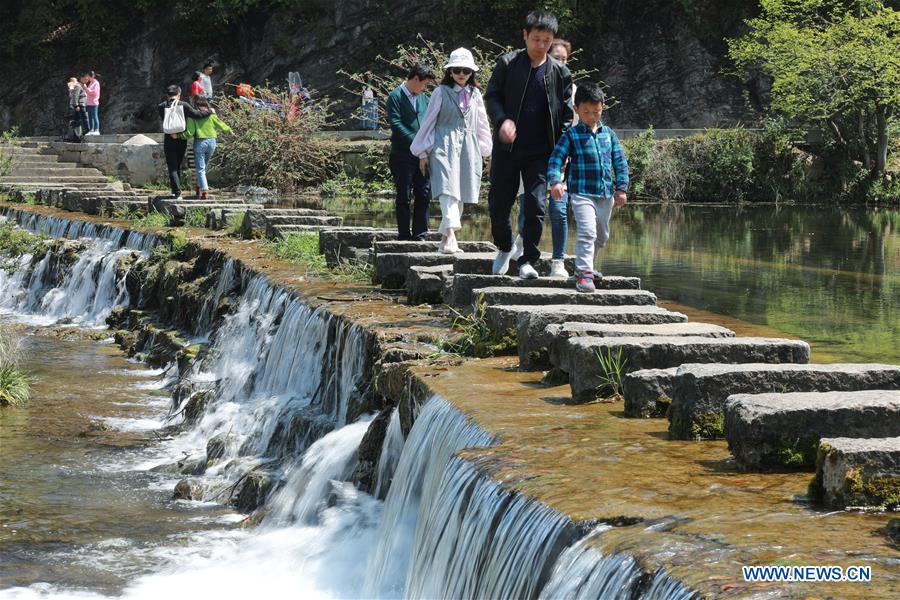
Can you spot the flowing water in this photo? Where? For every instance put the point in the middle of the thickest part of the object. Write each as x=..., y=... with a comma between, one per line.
x=89, y=467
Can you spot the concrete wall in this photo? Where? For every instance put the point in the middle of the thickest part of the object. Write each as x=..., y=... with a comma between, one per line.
x=136, y=165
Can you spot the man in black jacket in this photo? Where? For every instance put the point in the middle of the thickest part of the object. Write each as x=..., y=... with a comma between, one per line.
x=174, y=145
x=528, y=102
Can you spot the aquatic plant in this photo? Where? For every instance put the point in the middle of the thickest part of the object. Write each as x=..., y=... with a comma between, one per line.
x=612, y=369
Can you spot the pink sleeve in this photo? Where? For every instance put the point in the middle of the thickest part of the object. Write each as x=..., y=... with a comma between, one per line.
x=483, y=127
x=423, y=143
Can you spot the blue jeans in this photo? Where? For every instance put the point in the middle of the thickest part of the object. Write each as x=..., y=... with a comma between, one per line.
x=203, y=151
x=559, y=224
x=93, y=118
x=369, y=119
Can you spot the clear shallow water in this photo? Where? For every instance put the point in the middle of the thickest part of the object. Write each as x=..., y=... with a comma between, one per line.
x=830, y=276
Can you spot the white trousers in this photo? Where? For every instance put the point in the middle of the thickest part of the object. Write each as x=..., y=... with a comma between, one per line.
x=592, y=215
x=451, y=214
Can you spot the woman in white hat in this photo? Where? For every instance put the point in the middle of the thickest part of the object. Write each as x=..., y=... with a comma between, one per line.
x=453, y=138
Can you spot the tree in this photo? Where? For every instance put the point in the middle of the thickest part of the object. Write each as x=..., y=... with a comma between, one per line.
x=833, y=64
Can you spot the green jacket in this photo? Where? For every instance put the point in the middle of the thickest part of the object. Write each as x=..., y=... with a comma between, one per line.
x=205, y=128
x=404, y=121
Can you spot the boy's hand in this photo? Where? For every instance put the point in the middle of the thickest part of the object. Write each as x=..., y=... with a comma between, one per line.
x=557, y=191
x=620, y=198
x=423, y=166
x=508, y=132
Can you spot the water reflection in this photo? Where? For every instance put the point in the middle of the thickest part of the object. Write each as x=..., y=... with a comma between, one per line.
x=828, y=275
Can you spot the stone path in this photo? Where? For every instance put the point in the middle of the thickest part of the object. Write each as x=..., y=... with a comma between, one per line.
x=759, y=393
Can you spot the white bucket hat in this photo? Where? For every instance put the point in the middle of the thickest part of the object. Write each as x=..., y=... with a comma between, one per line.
x=461, y=58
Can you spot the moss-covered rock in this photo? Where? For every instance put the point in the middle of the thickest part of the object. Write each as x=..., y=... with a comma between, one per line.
x=252, y=491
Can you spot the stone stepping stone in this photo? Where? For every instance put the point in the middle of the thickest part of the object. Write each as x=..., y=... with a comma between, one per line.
x=178, y=210
x=699, y=392
x=391, y=268
x=535, y=351
x=477, y=264
x=648, y=392
x=425, y=285
x=541, y=296
x=502, y=318
x=777, y=431
x=396, y=246
x=463, y=284
x=338, y=243
x=579, y=359
x=858, y=473
x=276, y=232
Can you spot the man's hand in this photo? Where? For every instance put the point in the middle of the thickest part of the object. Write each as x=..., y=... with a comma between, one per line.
x=557, y=191
x=508, y=132
x=423, y=166
x=620, y=198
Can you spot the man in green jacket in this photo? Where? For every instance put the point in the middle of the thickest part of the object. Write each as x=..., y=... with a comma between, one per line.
x=405, y=110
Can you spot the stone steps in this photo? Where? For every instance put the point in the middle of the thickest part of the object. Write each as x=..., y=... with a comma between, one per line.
x=425, y=285
x=38, y=160
x=503, y=318
x=259, y=223
x=50, y=173
x=460, y=289
x=857, y=473
x=699, y=392
x=280, y=231
x=66, y=180
x=578, y=356
x=534, y=347
x=540, y=296
x=303, y=219
x=777, y=431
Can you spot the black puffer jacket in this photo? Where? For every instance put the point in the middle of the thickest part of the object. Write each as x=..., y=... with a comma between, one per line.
x=506, y=89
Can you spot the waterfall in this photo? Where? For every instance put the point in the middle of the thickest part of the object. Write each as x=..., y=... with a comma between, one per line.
x=225, y=281
x=439, y=431
x=390, y=455
x=479, y=541
x=84, y=293
x=582, y=572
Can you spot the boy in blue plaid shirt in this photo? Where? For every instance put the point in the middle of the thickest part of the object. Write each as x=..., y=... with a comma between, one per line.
x=597, y=179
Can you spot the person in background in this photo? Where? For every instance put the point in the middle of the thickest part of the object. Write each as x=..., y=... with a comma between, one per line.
x=174, y=144
x=196, y=86
x=405, y=109
x=528, y=101
x=77, y=102
x=92, y=101
x=206, y=80
x=204, y=131
x=369, y=119
x=454, y=137
x=597, y=180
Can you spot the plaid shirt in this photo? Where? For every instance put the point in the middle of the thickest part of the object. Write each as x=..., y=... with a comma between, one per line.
x=596, y=158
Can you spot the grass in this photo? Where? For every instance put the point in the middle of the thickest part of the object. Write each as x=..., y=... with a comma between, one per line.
x=153, y=219
x=612, y=369
x=30, y=200
x=172, y=246
x=474, y=335
x=195, y=217
x=303, y=249
x=15, y=388
x=159, y=185
x=233, y=223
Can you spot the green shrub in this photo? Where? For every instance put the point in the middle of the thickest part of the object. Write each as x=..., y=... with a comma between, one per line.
x=15, y=241
x=268, y=150
x=233, y=223
x=172, y=246
x=716, y=165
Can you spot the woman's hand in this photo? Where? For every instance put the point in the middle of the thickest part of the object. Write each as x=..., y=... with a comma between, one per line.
x=423, y=166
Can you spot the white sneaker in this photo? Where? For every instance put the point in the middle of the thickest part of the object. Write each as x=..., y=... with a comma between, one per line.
x=501, y=263
x=518, y=248
x=558, y=269
x=526, y=271
x=179, y=199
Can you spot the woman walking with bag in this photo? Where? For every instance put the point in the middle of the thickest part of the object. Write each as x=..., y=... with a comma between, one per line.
x=204, y=130
x=172, y=111
x=452, y=140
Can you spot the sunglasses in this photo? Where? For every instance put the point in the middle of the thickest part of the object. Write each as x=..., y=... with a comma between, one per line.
x=461, y=71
